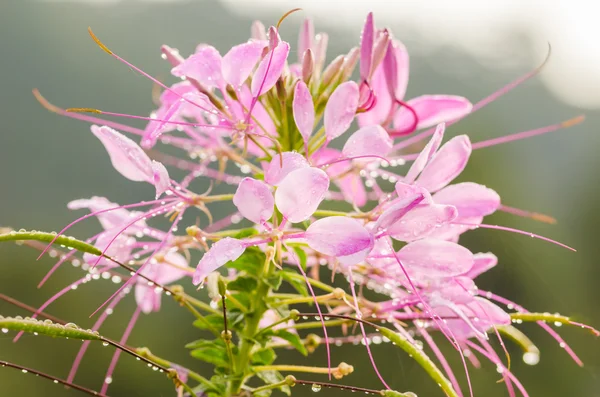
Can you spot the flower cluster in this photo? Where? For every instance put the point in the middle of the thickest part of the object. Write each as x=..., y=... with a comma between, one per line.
x=314, y=156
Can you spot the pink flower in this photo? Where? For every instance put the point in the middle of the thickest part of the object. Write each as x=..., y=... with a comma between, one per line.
x=131, y=161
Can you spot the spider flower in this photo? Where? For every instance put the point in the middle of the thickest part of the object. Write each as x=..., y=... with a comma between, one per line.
x=311, y=158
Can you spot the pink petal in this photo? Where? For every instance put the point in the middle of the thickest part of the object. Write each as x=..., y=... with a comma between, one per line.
x=204, y=66
x=447, y=164
x=483, y=263
x=109, y=219
x=436, y=258
x=341, y=109
x=280, y=167
x=397, y=211
x=221, y=252
x=303, y=110
x=239, y=62
x=147, y=300
x=421, y=221
x=396, y=69
x=451, y=232
x=270, y=69
x=258, y=31
x=489, y=313
x=130, y=160
x=366, y=47
x=404, y=191
x=160, y=178
x=340, y=236
x=305, y=39
x=156, y=128
x=371, y=140
x=300, y=193
x=432, y=110
x=171, y=269
x=352, y=188
x=320, y=49
x=459, y=290
x=470, y=199
x=254, y=200
x=380, y=112
x=426, y=154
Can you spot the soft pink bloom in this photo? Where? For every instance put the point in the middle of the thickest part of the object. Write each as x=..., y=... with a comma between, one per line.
x=254, y=200
x=221, y=252
x=301, y=192
x=131, y=161
x=340, y=237
x=341, y=109
x=165, y=272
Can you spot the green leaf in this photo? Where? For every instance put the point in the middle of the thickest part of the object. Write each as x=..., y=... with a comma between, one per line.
x=251, y=261
x=264, y=357
x=301, y=255
x=66, y=241
x=420, y=357
x=48, y=328
x=244, y=284
x=299, y=286
x=272, y=377
x=202, y=343
x=249, y=232
x=212, y=355
x=274, y=281
x=212, y=320
x=293, y=338
x=263, y=393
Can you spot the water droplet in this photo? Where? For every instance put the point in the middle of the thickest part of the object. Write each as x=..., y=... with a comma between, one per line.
x=316, y=388
x=5, y=330
x=24, y=371
x=104, y=344
x=108, y=380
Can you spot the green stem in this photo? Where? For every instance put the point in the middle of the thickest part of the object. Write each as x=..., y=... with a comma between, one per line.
x=291, y=368
x=288, y=381
x=145, y=352
x=319, y=324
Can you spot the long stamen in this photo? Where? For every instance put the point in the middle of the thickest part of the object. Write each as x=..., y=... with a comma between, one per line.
x=485, y=101
x=412, y=127
x=312, y=292
x=542, y=324
x=364, y=333
x=89, y=119
x=528, y=214
x=131, y=116
x=528, y=134
x=141, y=204
x=133, y=276
x=446, y=331
x=510, y=229
x=115, y=358
x=53, y=298
x=86, y=344
x=61, y=261
x=158, y=82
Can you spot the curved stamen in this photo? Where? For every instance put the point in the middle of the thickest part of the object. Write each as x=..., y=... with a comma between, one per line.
x=413, y=126
x=510, y=229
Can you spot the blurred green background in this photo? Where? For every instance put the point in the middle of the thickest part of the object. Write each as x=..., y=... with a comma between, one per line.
x=46, y=161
